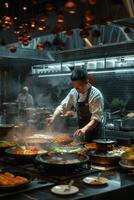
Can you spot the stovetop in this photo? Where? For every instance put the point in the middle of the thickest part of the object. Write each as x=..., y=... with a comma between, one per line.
x=38, y=173
x=41, y=179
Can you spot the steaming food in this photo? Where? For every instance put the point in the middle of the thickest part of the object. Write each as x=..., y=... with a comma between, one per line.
x=30, y=151
x=124, y=148
x=43, y=138
x=60, y=160
x=40, y=136
x=67, y=149
x=9, y=179
x=61, y=139
x=116, y=152
x=5, y=143
x=127, y=158
x=96, y=181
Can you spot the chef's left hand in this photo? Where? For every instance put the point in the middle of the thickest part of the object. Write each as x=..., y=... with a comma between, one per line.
x=79, y=132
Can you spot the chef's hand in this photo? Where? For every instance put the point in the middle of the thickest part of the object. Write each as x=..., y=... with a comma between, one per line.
x=79, y=132
x=49, y=121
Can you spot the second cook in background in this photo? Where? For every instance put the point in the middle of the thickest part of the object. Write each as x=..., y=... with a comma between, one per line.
x=88, y=103
x=24, y=99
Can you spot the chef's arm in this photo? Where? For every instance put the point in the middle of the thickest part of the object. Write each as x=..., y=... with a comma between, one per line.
x=65, y=105
x=58, y=111
x=90, y=126
x=96, y=108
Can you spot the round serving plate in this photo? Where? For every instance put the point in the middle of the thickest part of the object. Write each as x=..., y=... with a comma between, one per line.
x=62, y=190
x=95, y=181
x=131, y=167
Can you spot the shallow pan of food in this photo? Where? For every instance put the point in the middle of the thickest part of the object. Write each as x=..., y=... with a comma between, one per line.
x=4, y=144
x=23, y=154
x=67, y=149
x=61, y=163
x=13, y=179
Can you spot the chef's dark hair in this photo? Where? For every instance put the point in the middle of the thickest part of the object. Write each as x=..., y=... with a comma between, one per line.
x=79, y=74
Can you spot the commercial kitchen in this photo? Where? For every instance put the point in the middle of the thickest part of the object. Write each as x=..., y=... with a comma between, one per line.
x=66, y=99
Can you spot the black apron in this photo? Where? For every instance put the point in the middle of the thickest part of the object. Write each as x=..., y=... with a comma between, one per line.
x=84, y=117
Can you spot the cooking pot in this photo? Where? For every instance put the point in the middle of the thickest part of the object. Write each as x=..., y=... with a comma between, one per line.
x=104, y=145
x=60, y=163
x=5, y=129
x=104, y=159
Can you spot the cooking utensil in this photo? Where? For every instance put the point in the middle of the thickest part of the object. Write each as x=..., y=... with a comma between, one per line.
x=69, y=186
x=98, y=176
x=104, y=141
x=17, y=142
x=104, y=145
x=60, y=163
x=22, y=158
x=4, y=144
x=103, y=159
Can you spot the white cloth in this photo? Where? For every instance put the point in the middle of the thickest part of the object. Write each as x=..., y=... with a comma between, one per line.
x=96, y=102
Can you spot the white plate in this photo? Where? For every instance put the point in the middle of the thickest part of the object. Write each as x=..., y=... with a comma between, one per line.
x=93, y=180
x=126, y=166
x=59, y=189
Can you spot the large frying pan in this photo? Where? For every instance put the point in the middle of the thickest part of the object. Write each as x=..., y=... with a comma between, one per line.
x=21, y=158
x=60, y=163
x=4, y=144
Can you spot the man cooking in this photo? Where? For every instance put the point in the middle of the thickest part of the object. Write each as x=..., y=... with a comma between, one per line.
x=25, y=100
x=88, y=102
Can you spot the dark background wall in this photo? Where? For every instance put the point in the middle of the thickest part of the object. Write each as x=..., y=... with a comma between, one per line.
x=50, y=91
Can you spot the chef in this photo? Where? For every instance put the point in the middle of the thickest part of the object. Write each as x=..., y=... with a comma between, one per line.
x=24, y=99
x=88, y=102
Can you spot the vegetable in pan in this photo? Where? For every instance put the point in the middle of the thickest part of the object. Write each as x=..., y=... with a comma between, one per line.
x=5, y=143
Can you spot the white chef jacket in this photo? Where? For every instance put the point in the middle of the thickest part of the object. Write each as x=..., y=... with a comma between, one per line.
x=96, y=102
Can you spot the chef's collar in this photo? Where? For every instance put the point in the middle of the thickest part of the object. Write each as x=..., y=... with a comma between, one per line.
x=87, y=88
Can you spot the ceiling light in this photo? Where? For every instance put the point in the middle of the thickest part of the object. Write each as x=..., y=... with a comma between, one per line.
x=24, y=8
x=6, y=4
